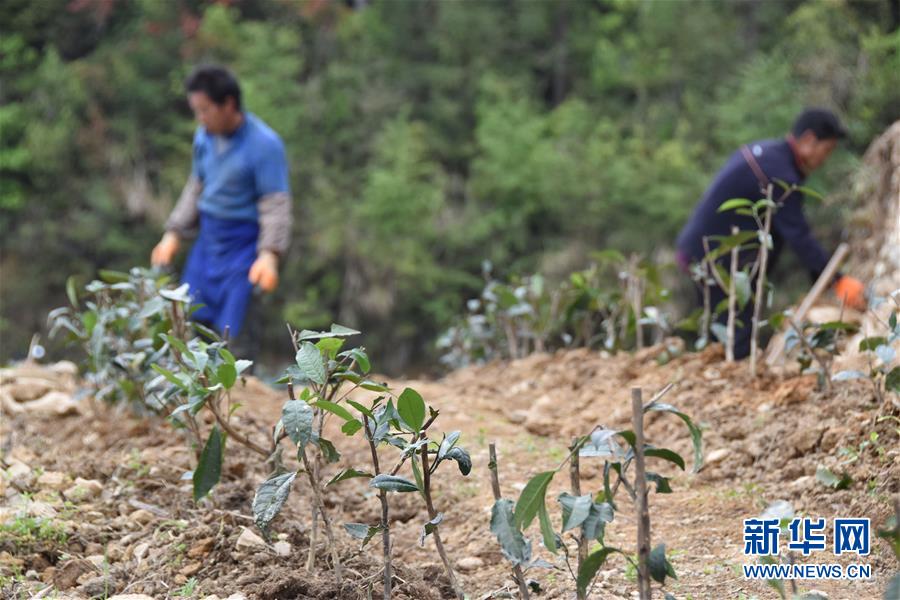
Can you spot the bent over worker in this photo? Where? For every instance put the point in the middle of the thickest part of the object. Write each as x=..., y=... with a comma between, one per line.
x=237, y=201
x=747, y=174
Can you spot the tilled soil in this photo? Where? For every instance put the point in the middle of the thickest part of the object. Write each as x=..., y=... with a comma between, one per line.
x=136, y=530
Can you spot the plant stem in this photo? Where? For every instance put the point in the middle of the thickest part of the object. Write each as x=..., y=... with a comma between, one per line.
x=385, y=523
x=426, y=475
x=518, y=575
x=640, y=487
x=317, y=495
x=231, y=431
x=818, y=359
x=760, y=283
x=732, y=300
x=575, y=480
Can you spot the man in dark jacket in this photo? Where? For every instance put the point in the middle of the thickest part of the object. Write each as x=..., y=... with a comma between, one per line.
x=747, y=173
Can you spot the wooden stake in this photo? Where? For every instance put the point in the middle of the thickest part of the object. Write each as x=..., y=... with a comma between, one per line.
x=640, y=489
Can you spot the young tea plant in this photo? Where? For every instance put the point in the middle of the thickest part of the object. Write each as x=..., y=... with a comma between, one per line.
x=118, y=320
x=816, y=342
x=883, y=372
x=584, y=517
x=392, y=422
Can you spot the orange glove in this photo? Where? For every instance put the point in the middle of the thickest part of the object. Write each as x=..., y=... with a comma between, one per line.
x=851, y=291
x=165, y=250
x=264, y=271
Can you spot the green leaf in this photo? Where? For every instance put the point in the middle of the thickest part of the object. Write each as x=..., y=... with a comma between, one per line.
x=393, y=483
x=363, y=532
x=595, y=524
x=411, y=407
x=297, y=417
x=532, y=498
x=336, y=331
x=227, y=375
x=179, y=294
x=72, y=291
x=659, y=566
x=310, y=363
x=734, y=203
x=417, y=474
x=333, y=408
x=347, y=474
x=227, y=356
x=870, y=343
x=112, y=276
x=270, y=498
x=512, y=543
x=209, y=468
x=430, y=527
x=361, y=408
x=547, y=532
x=362, y=359
x=590, y=566
x=374, y=386
x=575, y=509
x=329, y=451
x=892, y=380
x=462, y=458
x=848, y=375
x=242, y=365
x=170, y=376
x=351, y=427
x=662, y=483
x=665, y=454
x=330, y=346
x=826, y=477
x=696, y=435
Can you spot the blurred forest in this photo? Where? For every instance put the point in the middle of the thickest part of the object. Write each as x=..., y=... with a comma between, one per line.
x=424, y=137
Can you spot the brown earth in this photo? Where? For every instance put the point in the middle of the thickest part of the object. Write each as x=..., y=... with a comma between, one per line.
x=763, y=441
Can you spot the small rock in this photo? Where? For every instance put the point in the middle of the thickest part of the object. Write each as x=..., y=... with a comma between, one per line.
x=53, y=403
x=52, y=480
x=131, y=597
x=26, y=389
x=469, y=563
x=96, y=559
x=517, y=417
x=48, y=574
x=84, y=489
x=40, y=510
x=210, y=597
x=716, y=456
x=282, y=548
x=180, y=579
x=541, y=417
x=249, y=541
x=31, y=574
x=66, y=575
x=20, y=474
x=201, y=548
x=237, y=596
x=97, y=586
x=142, y=516
x=140, y=551
x=191, y=569
x=114, y=552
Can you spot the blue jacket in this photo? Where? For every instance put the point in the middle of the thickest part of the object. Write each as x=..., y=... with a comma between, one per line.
x=737, y=180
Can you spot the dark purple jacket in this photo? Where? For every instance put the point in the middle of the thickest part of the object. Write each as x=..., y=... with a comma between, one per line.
x=737, y=180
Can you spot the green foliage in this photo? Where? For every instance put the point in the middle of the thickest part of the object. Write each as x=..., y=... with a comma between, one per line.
x=584, y=517
x=422, y=140
x=594, y=307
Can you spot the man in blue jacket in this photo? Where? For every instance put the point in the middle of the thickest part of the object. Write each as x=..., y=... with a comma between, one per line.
x=237, y=202
x=747, y=173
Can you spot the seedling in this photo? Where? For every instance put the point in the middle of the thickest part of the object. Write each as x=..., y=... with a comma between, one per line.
x=881, y=357
x=585, y=516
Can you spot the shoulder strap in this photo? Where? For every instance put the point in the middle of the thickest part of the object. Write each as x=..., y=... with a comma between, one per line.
x=757, y=170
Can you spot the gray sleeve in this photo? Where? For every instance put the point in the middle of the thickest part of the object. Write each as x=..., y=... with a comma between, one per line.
x=185, y=216
x=275, y=220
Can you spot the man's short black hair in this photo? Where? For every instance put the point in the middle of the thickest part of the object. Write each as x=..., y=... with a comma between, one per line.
x=822, y=122
x=216, y=82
